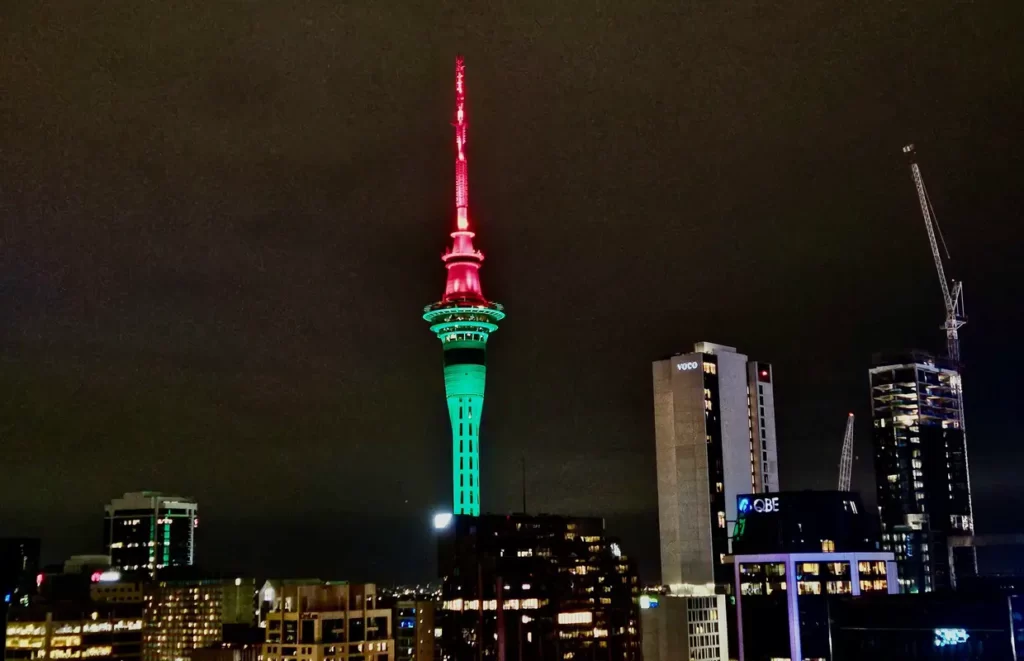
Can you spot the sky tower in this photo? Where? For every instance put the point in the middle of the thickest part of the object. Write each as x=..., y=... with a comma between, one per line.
x=463, y=319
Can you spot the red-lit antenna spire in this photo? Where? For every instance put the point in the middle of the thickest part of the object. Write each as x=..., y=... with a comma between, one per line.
x=462, y=260
x=461, y=167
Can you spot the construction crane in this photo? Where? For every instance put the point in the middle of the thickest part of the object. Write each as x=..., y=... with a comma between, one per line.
x=846, y=461
x=953, y=298
x=952, y=290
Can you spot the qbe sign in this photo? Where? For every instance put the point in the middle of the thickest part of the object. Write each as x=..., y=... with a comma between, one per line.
x=759, y=505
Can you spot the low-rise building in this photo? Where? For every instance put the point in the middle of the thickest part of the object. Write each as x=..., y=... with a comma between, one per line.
x=679, y=627
x=320, y=621
x=795, y=552
x=86, y=631
x=185, y=614
x=956, y=626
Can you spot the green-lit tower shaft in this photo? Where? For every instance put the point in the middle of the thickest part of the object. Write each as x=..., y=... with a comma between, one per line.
x=463, y=320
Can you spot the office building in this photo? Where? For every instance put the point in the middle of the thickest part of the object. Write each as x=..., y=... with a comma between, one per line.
x=75, y=631
x=921, y=469
x=148, y=531
x=115, y=588
x=463, y=320
x=913, y=627
x=793, y=552
x=535, y=587
x=319, y=620
x=684, y=628
x=414, y=630
x=190, y=613
x=228, y=652
x=804, y=522
x=241, y=642
x=714, y=423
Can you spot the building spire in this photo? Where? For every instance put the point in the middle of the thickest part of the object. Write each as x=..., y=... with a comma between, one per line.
x=462, y=259
x=461, y=167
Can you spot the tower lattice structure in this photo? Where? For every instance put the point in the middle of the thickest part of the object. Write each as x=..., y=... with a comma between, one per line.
x=463, y=320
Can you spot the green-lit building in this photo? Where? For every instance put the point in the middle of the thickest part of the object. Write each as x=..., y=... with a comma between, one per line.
x=149, y=531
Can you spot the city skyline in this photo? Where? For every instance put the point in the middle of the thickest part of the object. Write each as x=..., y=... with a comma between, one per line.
x=209, y=272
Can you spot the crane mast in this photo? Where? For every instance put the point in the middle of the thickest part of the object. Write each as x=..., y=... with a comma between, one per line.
x=952, y=297
x=846, y=461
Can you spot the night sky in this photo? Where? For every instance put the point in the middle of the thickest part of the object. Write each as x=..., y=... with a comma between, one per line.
x=221, y=221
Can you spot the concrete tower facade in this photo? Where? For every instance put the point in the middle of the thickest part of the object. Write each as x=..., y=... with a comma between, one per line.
x=714, y=426
x=463, y=320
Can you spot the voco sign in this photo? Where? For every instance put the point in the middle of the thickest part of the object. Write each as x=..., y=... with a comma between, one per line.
x=686, y=367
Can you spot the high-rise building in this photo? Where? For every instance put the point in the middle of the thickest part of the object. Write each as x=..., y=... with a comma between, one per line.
x=317, y=621
x=714, y=423
x=921, y=470
x=148, y=531
x=414, y=631
x=535, y=587
x=191, y=613
x=463, y=320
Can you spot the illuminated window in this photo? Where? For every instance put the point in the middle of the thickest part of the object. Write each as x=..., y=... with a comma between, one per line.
x=808, y=587
x=721, y=519
x=584, y=617
x=839, y=587
x=828, y=546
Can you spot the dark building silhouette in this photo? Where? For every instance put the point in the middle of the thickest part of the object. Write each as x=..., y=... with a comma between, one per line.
x=803, y=522
x=957, y=626
x=19, y=564
x=535, y=587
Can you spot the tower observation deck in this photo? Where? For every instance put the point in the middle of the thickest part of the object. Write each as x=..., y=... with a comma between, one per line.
x=463, y=320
